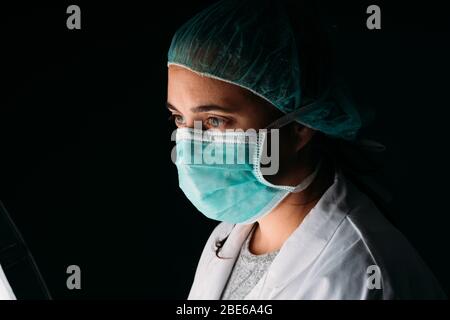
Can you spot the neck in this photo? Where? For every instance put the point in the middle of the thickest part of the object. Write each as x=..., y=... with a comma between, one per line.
x=274, y=229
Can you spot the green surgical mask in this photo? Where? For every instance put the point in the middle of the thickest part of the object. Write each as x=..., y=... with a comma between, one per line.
x=221, y=173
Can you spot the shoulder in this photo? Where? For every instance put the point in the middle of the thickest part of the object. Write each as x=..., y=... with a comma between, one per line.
x=366, y=247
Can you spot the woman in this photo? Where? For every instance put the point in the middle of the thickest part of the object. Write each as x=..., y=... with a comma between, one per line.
x=301, y=232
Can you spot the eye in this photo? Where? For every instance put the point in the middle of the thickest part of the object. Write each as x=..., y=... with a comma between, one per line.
x=215, y=122
x=179, y=120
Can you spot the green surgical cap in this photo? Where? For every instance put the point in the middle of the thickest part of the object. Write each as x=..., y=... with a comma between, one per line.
x=250, y=43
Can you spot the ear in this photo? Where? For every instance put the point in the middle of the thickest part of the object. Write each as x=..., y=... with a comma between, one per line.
x=302, y=135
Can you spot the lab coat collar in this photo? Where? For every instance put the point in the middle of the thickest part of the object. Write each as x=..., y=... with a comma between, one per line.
x=310, y=238
x=217, y=271
x=306, y=242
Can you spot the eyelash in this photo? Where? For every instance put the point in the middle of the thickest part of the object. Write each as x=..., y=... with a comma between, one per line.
x=173, y=117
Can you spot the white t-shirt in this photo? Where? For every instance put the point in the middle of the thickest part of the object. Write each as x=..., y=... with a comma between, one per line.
x=6, y=292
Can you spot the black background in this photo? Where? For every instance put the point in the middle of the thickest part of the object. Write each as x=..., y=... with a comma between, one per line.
x=85, y=166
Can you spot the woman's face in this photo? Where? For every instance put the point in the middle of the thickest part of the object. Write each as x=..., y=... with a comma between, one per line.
x=217, y=104
x=221, y=105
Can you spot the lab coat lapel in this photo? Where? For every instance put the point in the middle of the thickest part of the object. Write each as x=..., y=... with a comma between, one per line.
x=218, y=270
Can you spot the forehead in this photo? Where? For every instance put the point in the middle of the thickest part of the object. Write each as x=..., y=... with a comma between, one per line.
x=187, y=90
x=184, y=83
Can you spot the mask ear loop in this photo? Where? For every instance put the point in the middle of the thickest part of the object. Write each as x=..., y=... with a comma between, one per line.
x=291, y=116
x=308, y=180
x=288, y=118
x=294, y=115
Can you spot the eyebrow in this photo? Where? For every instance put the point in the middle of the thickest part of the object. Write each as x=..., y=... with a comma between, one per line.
x=202, y=108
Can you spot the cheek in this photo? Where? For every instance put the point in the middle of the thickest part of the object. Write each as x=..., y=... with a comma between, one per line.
x=245, y=122
x=287, y=149
x=286, y=157
x=252, y=120
x=258, y=116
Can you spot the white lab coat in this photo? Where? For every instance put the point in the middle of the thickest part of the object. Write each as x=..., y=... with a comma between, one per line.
x=6, y=292
x=327, y=257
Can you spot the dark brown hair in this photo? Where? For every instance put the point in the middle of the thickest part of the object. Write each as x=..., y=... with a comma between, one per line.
x=219, y=245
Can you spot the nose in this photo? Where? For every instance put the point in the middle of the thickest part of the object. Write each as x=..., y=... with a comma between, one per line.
x=192, y=122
